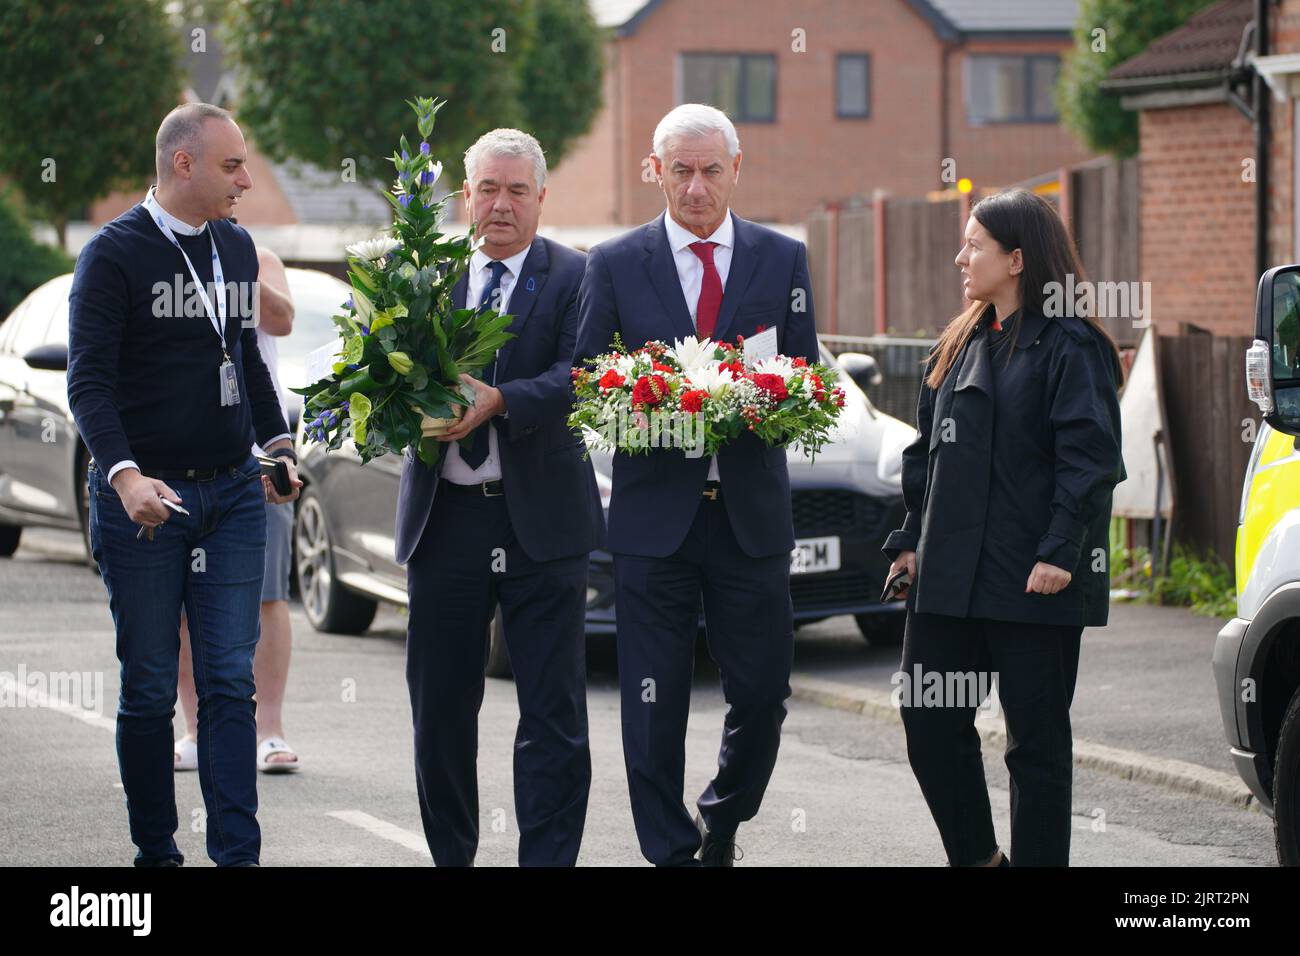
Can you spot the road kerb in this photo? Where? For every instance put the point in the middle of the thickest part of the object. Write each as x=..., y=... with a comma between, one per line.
x=1164, y=772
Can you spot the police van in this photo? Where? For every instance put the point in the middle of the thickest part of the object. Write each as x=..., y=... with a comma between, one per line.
x=1257, y=654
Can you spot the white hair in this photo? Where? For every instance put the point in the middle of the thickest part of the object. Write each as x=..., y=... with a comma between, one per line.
x=507, y=142
x=695, y=119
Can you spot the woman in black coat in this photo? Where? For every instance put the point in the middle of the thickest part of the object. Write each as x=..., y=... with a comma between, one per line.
x=1008, y=495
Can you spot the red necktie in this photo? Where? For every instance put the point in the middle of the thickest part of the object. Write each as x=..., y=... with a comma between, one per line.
x=706, y=310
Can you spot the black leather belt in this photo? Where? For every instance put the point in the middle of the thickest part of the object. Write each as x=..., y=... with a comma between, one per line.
x=189, y=474
x=713, y=490
x=483, y=489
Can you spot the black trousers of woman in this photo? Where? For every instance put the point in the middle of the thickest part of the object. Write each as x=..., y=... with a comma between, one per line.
x=1035, y=667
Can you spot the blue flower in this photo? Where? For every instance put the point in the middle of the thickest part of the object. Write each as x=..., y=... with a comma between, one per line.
x=424, y=148
x=426, y=178
x=348, y=304
x=365, y=330
x=346, y=405
x=404, y=156
x=405, y=200
x=353, y=367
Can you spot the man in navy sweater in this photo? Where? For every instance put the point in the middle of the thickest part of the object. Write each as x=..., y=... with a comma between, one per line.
x=169, y=392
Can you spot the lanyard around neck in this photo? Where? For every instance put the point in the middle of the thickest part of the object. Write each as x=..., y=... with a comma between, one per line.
x=217, y=316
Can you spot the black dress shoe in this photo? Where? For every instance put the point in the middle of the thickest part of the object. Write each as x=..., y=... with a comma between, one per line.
x=716, y=849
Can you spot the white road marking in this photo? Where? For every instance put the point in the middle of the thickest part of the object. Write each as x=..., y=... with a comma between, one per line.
x=384, y=830
x=38, y=698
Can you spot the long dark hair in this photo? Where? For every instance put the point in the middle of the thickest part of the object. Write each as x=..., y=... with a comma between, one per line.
x=1019, y=219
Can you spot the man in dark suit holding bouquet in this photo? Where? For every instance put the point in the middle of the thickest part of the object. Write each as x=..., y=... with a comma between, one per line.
x=686, y=531
x=507, y=516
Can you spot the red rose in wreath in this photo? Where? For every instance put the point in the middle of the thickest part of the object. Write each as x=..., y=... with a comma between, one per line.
x=693, y=401
x=649, y=390
x=774, y=385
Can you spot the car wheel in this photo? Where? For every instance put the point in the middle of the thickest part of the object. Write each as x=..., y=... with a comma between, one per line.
x=329, y=606
x=1286, y=787
x=882, y=630
x=9, y=535
x=498, y=658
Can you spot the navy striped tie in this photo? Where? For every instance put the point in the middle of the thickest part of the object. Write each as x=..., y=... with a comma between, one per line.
x=477, y=451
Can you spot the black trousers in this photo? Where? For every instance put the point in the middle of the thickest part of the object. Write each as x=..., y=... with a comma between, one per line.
x=467, y=561
x=750, y=631
x=1035, y=666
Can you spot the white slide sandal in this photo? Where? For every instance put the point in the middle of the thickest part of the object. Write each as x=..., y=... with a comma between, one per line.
x=186, y=754
x=275, y=745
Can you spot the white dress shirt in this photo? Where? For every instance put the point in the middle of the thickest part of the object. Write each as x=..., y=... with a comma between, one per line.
x=454, y=468
x=690, y=270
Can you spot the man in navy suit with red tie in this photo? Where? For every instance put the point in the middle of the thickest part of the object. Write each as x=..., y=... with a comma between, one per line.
x=507, y=517
x=691, y=532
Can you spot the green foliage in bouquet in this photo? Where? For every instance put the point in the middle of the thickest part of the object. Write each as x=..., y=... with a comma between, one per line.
x=404, y=346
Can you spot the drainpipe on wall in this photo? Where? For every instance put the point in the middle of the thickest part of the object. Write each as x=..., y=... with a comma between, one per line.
x=1262, y=136
x=880, y=265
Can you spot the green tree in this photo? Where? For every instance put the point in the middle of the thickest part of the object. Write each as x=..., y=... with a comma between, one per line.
x=560, y=76
x=26, y=263
x=328, y=83
x=1127, y=28
x=82, y=91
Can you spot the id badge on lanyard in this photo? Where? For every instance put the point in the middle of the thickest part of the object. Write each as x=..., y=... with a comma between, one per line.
x=227, y=376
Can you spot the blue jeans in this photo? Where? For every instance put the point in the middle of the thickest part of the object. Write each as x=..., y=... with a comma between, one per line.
x=211, y=561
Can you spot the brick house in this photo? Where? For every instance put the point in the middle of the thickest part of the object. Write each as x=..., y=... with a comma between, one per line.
x=1197, y=200
x=831, y=98
x=1199, y=170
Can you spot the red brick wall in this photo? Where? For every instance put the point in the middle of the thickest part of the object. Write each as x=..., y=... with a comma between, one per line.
x=1198, y=218
x=999, y=155
x=808, y=156
x=1285, y=38
x=583, y=188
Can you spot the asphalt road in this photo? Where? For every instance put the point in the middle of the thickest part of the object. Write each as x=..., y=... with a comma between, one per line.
x=842, y=792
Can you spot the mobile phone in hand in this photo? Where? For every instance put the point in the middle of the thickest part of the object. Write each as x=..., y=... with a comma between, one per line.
x=898, y=581
x=277, y=469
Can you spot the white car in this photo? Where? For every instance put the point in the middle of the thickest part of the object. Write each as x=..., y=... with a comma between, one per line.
x=42, y=457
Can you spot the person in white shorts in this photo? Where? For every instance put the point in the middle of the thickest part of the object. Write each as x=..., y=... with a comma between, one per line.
x=271, y=662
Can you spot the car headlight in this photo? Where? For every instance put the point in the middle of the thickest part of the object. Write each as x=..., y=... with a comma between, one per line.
x=889, y=462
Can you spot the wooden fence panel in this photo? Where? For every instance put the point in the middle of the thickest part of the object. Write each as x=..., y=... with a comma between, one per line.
x=857, y=298
x=1204, y=386
x=923, y=286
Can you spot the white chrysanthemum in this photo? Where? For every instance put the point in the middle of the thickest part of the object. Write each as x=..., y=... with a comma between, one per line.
x=776, y=365
x=372, y=249
x=692, y=353
x=713, y=378
x=625, y=365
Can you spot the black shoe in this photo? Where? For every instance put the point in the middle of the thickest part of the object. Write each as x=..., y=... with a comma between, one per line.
x=717, y=849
